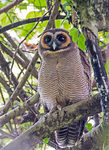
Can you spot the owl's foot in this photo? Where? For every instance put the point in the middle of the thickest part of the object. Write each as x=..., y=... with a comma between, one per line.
x=59, y=107
x=52, y=109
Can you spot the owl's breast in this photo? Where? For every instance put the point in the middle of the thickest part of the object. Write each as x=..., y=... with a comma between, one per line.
x=61, y=81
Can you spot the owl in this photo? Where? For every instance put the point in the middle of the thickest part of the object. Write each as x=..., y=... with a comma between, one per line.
x=64, y=78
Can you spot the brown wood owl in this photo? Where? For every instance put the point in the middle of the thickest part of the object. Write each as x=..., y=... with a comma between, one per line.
x=64, y=78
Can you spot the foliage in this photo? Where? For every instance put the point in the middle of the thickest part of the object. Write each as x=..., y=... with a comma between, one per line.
x=14, y=62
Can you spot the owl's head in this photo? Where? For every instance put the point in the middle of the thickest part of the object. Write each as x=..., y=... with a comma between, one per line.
x=54, y=40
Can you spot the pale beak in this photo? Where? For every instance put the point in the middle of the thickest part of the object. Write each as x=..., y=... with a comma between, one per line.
x=54, y=45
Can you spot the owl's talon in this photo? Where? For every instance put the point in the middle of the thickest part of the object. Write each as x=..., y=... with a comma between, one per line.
x=53, y=109
x=59, y=107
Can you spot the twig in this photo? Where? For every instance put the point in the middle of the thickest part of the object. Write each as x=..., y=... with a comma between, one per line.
x=5, y=67
x=11, y=54
x=22, y=55
x=26, y=38
x=61, y=6
x=8, y=7
x=6, y=134
x=13, y=81
x=2, y=95
x=19, y=110
x=35, y=25
x=20, y=85
x=19, y=23
x=49, y=4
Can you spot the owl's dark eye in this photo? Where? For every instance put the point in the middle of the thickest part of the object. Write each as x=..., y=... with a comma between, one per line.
x=47, y=39
x=61, y=38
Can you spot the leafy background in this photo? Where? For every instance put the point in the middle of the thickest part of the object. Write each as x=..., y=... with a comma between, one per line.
x=25, y=10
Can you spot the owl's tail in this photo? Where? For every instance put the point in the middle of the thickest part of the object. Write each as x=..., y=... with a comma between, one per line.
x=67, y=136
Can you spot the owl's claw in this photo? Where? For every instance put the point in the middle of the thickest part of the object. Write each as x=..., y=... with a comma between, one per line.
x=53, y=109
x=59, y=107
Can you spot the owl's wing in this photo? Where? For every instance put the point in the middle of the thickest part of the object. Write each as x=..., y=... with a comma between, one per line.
x=87, y=68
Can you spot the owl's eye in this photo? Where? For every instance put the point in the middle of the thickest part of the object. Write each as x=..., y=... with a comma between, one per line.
x=61, y=38
x=47, y=39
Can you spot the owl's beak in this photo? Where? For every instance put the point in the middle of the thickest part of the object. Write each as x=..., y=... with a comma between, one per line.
x=54, y=45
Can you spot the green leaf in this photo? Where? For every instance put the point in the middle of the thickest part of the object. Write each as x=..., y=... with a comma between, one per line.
x=107, y=148
x=58, y=23
x=64, y=5
x=7, y=18
x=40, y=3
x=107, y=66
x=33, y=14
x=46, y=140
x=74, y=33
x=69, y=2
x=41, y=110
x=68, y=14
x=23, y=6
x=66, y=25
x=81, y=42
x=89, y=126
x=4, y=19
x=2, y=5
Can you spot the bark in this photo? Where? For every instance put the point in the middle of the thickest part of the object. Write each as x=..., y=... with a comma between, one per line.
x=99, y=70
x=92, y=102
x=19, y=110
x=49, y=123
x=94, y=14
x=8, y=7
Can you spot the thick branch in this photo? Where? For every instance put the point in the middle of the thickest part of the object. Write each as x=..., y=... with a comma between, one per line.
x=93, y=14
x=19, y=110
x=49, y=123
x=99, y=70
x=53, y=14
x=26, y=105
x=8, y=7
x=98, y=137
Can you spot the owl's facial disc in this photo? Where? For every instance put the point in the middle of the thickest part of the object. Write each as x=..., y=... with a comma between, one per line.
x=54, y=42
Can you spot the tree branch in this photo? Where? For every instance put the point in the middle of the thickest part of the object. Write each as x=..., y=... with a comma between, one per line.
x=91, y=15
x=19, y=110
x=53, y=14
x=20, y=85
x=24, y=62
x=99, y=70
x=12, y=80
x=96, y=138
x=19, y=23
x=49, y=123
x=8, y=7
x=29, y=103
x=7, y=86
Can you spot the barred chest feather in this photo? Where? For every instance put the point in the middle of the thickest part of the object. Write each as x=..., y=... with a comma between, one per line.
x=62, y=79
